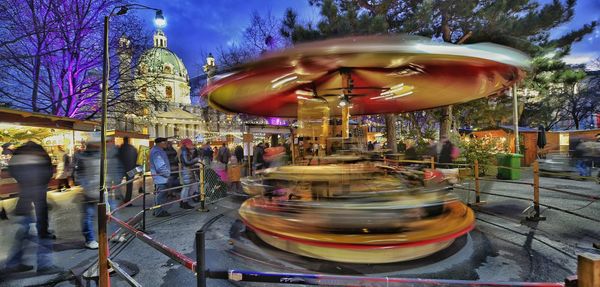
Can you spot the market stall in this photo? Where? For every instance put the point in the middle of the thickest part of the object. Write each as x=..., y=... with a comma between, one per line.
x=58, y=135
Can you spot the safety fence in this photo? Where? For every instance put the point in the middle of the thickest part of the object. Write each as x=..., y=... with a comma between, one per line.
x=212, y=189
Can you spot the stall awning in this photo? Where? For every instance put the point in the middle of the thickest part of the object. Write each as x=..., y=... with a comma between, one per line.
x=45, y=121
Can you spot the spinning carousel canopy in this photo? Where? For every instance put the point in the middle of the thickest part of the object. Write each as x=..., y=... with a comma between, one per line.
x=372, y=75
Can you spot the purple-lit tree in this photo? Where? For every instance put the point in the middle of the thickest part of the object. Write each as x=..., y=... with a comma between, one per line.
x=51, y=57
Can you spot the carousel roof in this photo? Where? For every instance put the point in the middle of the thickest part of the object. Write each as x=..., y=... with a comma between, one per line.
x=374, y=75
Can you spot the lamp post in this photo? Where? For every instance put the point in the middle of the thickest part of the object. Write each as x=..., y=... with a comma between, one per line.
x=160, y=21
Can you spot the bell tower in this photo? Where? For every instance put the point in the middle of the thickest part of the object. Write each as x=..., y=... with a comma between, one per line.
x=160, y=40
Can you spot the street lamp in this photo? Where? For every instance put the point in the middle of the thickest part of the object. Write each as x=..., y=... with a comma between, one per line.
x=103, y=244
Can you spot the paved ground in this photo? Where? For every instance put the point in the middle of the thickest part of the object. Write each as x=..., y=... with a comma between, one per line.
x=503, y=246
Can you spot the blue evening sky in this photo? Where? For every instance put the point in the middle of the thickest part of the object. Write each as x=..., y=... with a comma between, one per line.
x=196, y=27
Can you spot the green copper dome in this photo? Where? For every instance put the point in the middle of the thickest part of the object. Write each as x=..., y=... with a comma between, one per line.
x=159, y=59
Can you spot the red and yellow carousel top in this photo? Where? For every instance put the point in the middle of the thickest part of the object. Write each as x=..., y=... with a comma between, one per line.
x=373, y=75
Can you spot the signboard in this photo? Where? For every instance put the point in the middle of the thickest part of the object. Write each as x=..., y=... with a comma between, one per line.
x=248, y=149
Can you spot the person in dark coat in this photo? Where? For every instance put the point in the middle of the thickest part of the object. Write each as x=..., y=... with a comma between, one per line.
x=128, y=157
x=239, y=153
x=224, y=155
x=174, y=166
x=446, y=154
x=259, y=159
x=189, y=177
x=31, y=167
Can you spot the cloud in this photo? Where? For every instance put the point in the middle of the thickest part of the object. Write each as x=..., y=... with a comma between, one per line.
x=581, y=58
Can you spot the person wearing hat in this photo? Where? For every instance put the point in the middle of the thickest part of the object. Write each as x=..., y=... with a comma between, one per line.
x=188, y=176
x=161, y=170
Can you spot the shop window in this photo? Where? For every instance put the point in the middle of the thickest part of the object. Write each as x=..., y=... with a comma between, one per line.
x=169, y=93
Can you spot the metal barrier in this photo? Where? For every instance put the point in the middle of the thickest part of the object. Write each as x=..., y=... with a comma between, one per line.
x=212, y=189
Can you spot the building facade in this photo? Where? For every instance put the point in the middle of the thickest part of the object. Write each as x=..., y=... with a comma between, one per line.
x=162, y=78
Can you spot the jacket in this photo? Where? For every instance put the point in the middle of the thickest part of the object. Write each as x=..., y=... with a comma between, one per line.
x=128, y=156
x=159, y=165
x=87, y=172
x=188, y=162
x=224, y=155
x=31, y=166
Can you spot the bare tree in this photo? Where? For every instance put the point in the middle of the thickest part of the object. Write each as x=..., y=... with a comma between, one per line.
x=51, y=57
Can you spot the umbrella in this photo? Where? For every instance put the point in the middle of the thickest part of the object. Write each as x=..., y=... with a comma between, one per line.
x=372, y=75
x=541, y=137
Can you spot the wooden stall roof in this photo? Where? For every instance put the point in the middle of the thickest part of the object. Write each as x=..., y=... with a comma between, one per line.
x=123, y=134
x=45, y=121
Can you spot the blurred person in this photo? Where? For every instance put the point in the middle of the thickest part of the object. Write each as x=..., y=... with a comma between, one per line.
x=410, y=153
x=597, y=153
x=432, y=150
x=239, y=153
x=224, y=155
x=315, y=149
x=31, y=167
x=215, y=153
x=582, y=156
x=8, y=149
x=63, y=168
x=174, y=167
x=189, y=160
x=128, y=157
x=274, y=156
x=207, y=154
x=259, y=160
x=88, y=175
x=161, y=170
x=447, y=154
x=370, y=146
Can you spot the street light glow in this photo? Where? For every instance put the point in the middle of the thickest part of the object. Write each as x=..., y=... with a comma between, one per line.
x=159, y=19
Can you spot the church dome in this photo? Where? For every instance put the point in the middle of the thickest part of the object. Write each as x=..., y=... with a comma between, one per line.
x=159, y=59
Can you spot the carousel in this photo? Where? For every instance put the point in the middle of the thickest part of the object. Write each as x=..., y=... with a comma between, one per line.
x=359, y=211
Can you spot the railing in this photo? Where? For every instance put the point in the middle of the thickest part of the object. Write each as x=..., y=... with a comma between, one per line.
x=586, y=262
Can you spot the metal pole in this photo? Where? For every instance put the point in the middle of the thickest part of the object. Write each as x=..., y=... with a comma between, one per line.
x=200, y=259
x=513, y=91
x=104, y=279
x=144, y=200
x=202, y=189
x=477, y=195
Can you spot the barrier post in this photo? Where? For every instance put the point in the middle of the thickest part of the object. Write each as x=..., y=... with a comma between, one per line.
x=588, y=270
x=432, y=162
x=104, y=279
x=200, y=259
x=202, y=189
x=476, y=170
x=144, y=202
x=536, y=193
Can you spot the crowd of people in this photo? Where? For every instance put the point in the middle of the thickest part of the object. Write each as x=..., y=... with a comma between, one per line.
x=174, y=169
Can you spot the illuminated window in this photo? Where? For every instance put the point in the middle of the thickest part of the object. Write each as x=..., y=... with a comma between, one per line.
x=169, y=92
x=168, y=70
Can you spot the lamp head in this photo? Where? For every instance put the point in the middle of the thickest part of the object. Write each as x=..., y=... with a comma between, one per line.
x=159, y=19
x=122, y=10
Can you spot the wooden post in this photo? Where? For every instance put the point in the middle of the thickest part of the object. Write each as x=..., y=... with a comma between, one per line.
x=104, y=278
x=477, y=194
x=588, y=270
x=536, y=188
x=536, y=193
x=432, y=162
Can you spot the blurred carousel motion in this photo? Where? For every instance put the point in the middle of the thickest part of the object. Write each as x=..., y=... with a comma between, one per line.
x=359, y=212
x=356, y=213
